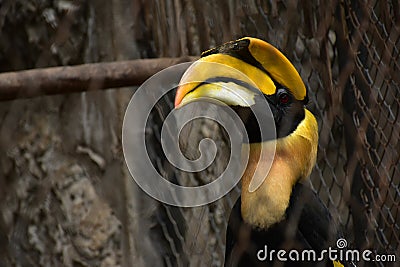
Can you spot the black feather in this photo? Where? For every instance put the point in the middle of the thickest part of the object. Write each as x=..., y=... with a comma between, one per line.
x=308, y=225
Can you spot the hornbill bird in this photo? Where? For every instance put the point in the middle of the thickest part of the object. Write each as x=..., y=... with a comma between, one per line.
x=282, y=213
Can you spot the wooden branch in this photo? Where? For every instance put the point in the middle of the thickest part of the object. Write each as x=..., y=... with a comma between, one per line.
x=97, y=76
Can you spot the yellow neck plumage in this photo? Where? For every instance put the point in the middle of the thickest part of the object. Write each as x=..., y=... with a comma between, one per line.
x=294, y=159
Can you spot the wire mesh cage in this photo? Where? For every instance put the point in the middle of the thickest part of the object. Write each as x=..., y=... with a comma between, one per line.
x=347, y=53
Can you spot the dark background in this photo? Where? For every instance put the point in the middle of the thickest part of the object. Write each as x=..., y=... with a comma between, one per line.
x=66, y=197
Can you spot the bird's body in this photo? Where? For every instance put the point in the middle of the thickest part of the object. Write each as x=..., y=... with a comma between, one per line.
x=307, y=226
x=282, y=213
x=279, y=212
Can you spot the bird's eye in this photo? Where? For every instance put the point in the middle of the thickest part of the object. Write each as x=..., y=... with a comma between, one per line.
x=284, y=98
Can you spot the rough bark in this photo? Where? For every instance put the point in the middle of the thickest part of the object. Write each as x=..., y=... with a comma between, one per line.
x=87, y=77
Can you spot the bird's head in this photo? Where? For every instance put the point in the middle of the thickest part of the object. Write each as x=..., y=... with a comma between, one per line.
x=270, y=75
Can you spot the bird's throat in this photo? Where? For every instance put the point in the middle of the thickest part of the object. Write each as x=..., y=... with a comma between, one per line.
x=267, y=204
x=294, y=159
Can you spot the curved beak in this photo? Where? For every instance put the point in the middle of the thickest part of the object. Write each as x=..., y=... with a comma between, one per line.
x=229, y=93
x=223, y=78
